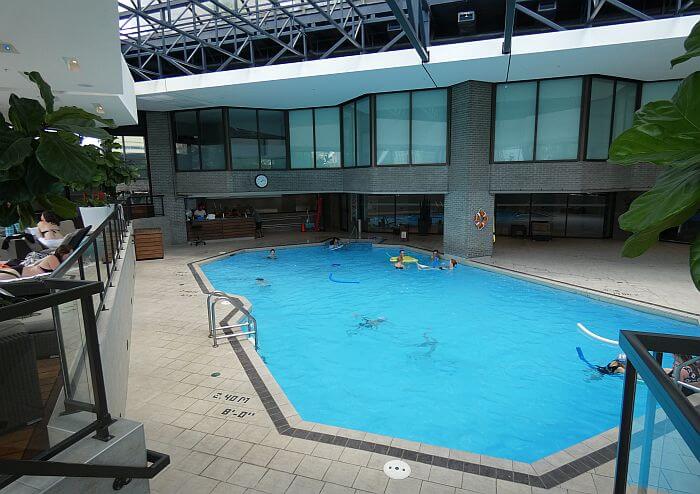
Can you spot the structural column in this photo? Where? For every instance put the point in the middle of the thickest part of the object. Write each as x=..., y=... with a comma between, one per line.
x=163, y=179
x=469, y=172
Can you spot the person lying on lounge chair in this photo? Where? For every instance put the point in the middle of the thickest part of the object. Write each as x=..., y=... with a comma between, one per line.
x=15, y=268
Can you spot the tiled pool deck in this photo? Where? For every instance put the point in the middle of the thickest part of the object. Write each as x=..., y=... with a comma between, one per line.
x=237, y=432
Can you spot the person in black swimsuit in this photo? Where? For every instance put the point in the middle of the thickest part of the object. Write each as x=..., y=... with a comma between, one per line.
x=15, y=268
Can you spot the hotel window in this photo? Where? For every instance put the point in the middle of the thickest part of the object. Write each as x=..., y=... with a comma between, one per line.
x=537, y=121
x=187, y=141
x=611, y=112
x=656, y=91
x=428, y=127
x=257, y=139
x=349, y=135
x=558, y=119
x=412, y=127
x=327, y=137
x=515, y=121
x=199, y=140
x=301, y=138
x=363, y=119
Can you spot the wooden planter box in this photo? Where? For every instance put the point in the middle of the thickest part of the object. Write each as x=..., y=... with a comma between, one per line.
x=148, y=243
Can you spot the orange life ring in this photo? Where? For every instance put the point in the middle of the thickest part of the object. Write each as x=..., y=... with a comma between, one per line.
x=481, y=219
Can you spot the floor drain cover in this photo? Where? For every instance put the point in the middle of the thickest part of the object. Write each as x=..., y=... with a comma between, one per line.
x=397, y=469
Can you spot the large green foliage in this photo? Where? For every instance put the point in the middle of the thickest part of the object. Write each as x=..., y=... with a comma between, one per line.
x=667, y=134
x=40, y=153
x=114, y=169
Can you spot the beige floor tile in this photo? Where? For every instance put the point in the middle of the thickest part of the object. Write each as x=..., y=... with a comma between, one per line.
x=226, y=488
x=210, y=444
x=230, y=429
x=313, y=467
x=403, y=486
x=196, y=484
x=355, y=456
x=445, y=476
x=274, y=482
x=371, y=480
x=208, y=425
x=329, y=451
x=247, y=475
x=301, y=446
x=504, y=487
x=341, y=473
x=235, y=449
x=260, y=455
x=303, y=485
x=433, y=488
x=221, y=468
x=196, y=462
x=337, y=489
x=187, y=439
x=477, y=483
x=285, y=461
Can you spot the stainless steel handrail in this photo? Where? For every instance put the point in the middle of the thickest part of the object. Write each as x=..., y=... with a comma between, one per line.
x=250, y=322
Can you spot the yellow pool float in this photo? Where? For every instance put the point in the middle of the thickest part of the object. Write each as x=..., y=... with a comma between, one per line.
x=406, y=259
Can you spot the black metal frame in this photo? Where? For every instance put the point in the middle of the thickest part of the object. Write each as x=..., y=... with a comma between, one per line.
x=155, y=201
x=684, y=416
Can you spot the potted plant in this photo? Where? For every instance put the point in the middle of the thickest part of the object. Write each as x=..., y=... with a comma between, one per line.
x=40, y=154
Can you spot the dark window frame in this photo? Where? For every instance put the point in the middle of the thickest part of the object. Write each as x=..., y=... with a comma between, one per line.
x=173, y=138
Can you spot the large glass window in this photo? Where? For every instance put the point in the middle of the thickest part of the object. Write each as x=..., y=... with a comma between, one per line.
x=625, y=106
x=429, y=127
x=212, y=139
x=364, y=132
x=272, y=136
x=656, y=91
x=349, y=135
x=301, y=138
x=327, y=137
x=134, y=150
x=599, y=118
x=558, y=119
x=187, y=140
x=381, y=213
x=243, y=136
x=393, y=124
x=566, y=215
x=515, y=121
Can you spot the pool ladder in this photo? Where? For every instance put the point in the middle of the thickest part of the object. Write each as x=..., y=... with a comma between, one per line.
x=247, y=326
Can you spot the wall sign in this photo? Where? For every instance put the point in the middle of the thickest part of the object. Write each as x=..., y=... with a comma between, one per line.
x=261, y=181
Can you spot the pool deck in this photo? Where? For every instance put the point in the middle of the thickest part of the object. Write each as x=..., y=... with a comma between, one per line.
x=189, y=414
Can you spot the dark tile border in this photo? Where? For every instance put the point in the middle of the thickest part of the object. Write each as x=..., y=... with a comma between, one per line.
x=547, y=480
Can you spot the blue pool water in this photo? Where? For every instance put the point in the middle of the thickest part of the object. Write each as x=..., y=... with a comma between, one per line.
x=468, y=359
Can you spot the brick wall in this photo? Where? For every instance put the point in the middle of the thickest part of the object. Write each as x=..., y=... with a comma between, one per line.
x=469, y=171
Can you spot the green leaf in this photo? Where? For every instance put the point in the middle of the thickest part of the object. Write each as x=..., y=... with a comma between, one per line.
x=695, y=261
x=64, y=160
x=37, y=180
x=62, y=206
x=692, y=46
x=8, y=214
x=44, y=89
x=26, y=214
x=26, y=115
x=14, y=191
x=664, y=132
x=73, y=112
x=83, y=130
x=674, y=198
x=15, y=153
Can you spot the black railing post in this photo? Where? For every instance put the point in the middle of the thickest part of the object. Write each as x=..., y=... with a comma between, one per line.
x=109, y=273
x=92, y=346
x=624, y=441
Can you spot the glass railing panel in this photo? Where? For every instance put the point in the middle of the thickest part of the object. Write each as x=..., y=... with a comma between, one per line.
x=660, y=459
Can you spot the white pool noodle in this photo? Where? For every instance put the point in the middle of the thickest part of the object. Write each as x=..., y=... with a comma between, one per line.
x=594, y=336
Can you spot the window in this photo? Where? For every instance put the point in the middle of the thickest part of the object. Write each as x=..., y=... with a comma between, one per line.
x=558, y=119
x=134, y=151
x=429, y=127
x=327, y=137
x=272, y=136
x=611, y=112
x=599, y=118
x=363, y=119
x=656, y=91
x=301, y=138
x=393, y=126
x=349, y=135
x=515, y=122
x=212, y=139
x=187, y=140
x=257, y=139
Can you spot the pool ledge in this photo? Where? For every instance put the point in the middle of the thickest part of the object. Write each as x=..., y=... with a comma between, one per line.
x=546, y=473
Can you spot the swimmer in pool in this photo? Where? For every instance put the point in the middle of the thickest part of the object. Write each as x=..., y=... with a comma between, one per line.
x=399, y=260
x=371, y=323
x=272, y=254
x=435, y=259
x=450, y=266
x=615, y=366
x=262, y=282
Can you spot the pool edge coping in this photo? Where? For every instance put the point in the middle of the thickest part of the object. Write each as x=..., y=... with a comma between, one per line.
x=556, y=468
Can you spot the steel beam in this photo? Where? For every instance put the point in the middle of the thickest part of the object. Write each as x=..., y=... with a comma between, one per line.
x=538, y=17
x=408, y=30
x=335, y=24
x=508, y=30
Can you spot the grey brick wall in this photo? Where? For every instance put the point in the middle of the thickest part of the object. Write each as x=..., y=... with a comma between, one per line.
x=469, y=171
x=161, y=160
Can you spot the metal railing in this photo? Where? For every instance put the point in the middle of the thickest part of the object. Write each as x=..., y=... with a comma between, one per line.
x=669, y=429
x=226, y=330
x=64, y=292
x=95, y=259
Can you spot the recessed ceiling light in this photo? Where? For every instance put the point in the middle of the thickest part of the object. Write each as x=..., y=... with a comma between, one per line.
x=99, y=108
x=7, y=47
x=85, y=85
x=72, y=63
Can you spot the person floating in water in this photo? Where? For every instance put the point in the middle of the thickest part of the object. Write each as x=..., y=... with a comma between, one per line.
x=335, y=243
x=399, y=264
x=450, y=266
x=371, y=323
x=430, y=343
x=262, y=282
x=272, y=254
x=434, y=262
x=615, y=366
